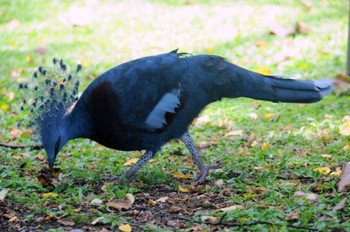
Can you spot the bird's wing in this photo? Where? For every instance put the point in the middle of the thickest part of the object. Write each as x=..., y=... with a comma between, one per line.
x=149, y=91
x=164, y=111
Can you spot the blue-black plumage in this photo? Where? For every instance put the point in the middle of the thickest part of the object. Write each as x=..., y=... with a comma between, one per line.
x=144, y=103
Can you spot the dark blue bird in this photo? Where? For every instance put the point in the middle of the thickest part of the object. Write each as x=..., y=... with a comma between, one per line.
x=144, y=103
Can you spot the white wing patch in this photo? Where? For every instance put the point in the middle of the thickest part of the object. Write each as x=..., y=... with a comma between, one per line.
x=169, y=103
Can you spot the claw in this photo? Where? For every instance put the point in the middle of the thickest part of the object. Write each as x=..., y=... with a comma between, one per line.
x=204, y=172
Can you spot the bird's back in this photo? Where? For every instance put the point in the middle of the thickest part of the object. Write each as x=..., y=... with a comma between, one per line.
x=125, y=102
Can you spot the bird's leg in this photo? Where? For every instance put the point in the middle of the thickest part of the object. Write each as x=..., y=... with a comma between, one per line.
x=204, y=169
x=142, y=161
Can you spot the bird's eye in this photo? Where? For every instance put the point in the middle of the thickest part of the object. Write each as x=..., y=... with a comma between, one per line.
x=57, y=146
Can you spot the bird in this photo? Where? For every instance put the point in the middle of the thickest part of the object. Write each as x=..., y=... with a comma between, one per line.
x=144, y=103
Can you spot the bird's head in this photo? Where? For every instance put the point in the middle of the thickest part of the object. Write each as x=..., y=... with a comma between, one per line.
x=52, y=92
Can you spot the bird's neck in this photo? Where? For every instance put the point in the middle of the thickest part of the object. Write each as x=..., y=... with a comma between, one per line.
x=76, y=122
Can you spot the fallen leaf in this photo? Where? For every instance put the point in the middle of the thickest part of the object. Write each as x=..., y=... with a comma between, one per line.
x=40, y=50
x=49, y=195
x=271, y=116
x=130, y=197
x=131, y=162
x=119, y=205
x=293, y=216
x=253, y=116
x=341, y=205
x=184, y=189
x=346, y=147
x=262, y=169
x=280, y=31
x=260, y=44
x=65, y=222
x=122, y=204
x=175, y=209
x=219, y=183
x=13, y=219
x=230, y=208
x=125, y=228
x=341, y=83
x=162, y=199
x=310, y=196
x=344, y=129
x=94, y=222
x=50, y=217
x=234, y=133
x=151, y=202
x=3, y=194
x=322, y=170
x=96, y=201
x=210, y=219
x=265, y=146
x=10, y=95
x=344, y=183
x=181, y=175
x=4, y=107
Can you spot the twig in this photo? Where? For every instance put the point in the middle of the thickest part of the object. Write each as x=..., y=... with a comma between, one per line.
x=231, y=223
x=18, y=146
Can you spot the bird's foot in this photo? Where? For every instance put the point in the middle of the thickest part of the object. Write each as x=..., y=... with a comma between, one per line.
x=204, y=172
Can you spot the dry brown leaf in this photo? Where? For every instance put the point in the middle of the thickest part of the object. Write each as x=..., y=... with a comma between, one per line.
x=119, y=205
x=293, y=216
x=175, y=209
x=151, y=202
x=230, y=208
x=131, y=162
x=162, y=199
x=341, y=205
x=13, y=219
x=3, y=194
x=344, y=183
x=210, y=219
x=234, y=133
x=65, y=222
x=310, y=196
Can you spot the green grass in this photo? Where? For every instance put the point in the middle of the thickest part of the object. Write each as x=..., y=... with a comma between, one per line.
x=297, y=139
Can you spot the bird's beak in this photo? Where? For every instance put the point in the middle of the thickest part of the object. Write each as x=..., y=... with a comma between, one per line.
x=51, y=163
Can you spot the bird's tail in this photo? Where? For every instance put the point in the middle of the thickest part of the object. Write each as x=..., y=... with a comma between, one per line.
x=278, y=89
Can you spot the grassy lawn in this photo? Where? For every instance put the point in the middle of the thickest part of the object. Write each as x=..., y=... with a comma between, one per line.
x=280, y=162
